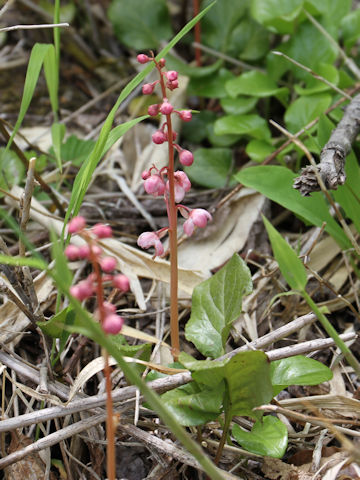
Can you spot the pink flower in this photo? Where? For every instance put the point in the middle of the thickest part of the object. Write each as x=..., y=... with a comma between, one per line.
x=142, y=58
x=154, y=185
x=112, y=324
x=172, y=85
x=82, y=290
x=145, y=174
x=102, y=231
x=148, y=88
x=153, y=110
x=151, y=239
x=182, y=185
x=171, y=75
x=121, y=282
x=186, y=158
x=162, y=62
x=158, y=137
x=166, y=108
x=185, y=115
x=108, y=264
x=76, y=224
x=197, y=217
x=72, y=252
x=84, y=251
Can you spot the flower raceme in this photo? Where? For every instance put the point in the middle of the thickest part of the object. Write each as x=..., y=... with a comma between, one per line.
x=155, y=182
x=103, y=267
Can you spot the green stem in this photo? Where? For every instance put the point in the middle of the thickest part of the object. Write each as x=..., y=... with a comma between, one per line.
x=330, y=330
x=223, y=436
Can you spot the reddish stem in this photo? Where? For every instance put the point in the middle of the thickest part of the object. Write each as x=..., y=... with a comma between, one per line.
x=110, y=429
x=197, y=33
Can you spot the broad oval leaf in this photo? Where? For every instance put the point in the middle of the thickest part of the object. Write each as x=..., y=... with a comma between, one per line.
x=254, y=83
x=212, y=167
x=290, y=265
x=250, y=124
x=298, y=370
x=277, y=15
x=216, y=304
x=268, y=437
x=305, y=109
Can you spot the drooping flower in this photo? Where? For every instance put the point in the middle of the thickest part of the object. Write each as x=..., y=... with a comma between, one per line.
x=197, y=217
x=154, y=185
x=151, y=239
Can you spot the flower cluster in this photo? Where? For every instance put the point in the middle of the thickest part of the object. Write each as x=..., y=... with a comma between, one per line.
x=156, y=182
x=103, y=273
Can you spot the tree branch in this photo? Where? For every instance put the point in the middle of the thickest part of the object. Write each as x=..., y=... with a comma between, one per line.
x=332, y=158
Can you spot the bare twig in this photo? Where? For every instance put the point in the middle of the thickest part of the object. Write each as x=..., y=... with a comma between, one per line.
x=33, y=27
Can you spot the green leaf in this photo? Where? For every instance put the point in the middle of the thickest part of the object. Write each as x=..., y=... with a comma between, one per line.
x=350, y=28
x=58, y=326
x=196, y=130
x=85, y=174
x=305, y=109
x=268, y=437
x=57, y=135
x=11, y=168
x=248, y=124
x=276, y=183
x=212, y=86
x=52, y=78
x=117, y=132
x=298, y=370
x=76, y=150
x=140, y=24
x=249, y=40
x=239, y=105
x=258, y=150
x=247, y=377
x=218, y=24
x=174, y=63
x=325, y=127
x=277, y=15
x=22, y=261
x=195, y=404
x=38, y=53
x=216, y=303
x=254, y=83
x=290, y=265
x=329, y=72
x=211, y=168
x=61, y=262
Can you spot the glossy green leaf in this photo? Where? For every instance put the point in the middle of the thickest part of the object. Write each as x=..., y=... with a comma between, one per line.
x=247, y=377
x=212, y=86
x=350, y=28
x=216, y=303
x=249, y=40
x=196, y=131
x=11, y=168
x=325, y=127
x=249, y=124
x=276, y=183
x=174, y=63
x=195, y=404
x=218, y=24
x=277, y=15
x=61, y=266
x=258, y=150
x=238, y=105
x=254, y=83
x=212, y=167
x=57, y=135
x=52, y=77
x=290, y=265
x=298, y=370
x=57, y=326
x=268, y=437
x=76, y=150
x=140, y=24
x=328, y=72
x=305, y=109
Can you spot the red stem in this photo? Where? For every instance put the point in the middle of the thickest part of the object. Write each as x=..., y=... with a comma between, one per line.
x=110, y=429
x=172, y=215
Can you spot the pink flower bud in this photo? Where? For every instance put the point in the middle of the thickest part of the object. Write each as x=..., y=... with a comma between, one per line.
x=76, y=224
x=72, y=252
x=182, y=179
x=82, y=290
x=166, y=108
x=142, y=58
x=153, y=110
x=145, y=174
x=112, y=324
x=109, y=307
x=151, y=239
x=96, y=250
x=102, y=231
x=108, y=264
x=148, y=88
x=162, y=62
x=158, y=137
x=121, y=282
x=154, y=185
x=186, y=158
x=84, y=251
x=185, y=115
x=172, y=85
x=198, y=217
x=171, y=75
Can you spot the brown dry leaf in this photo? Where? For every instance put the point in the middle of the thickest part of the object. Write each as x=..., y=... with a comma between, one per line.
x=225, y=235
x=335, y=405
x=276, y=469
x=12, y=320
x=29, y=468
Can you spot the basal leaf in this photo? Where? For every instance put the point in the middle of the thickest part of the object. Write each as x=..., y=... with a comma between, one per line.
x=305, y=109
x=276, y=182
x=277, y=15
x=258, y=150
x=248, y=124
x=216, y=303
x=290, y=265
x=268, y=437
x=211, y=168
x=298, y=370
x=253, y=83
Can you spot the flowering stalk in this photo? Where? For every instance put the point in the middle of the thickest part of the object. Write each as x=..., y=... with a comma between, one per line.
x=110, y=322
x=173, y=189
